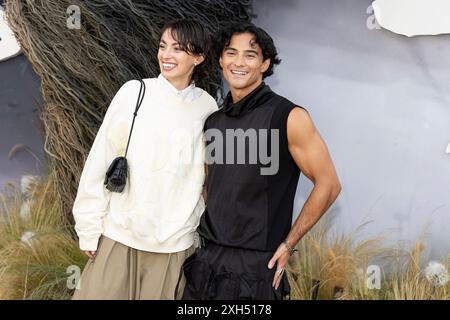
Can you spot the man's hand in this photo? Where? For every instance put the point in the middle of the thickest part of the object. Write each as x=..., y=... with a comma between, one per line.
x=280, y=258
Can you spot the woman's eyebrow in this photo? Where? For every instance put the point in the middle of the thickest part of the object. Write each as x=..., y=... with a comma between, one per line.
x=173, y=44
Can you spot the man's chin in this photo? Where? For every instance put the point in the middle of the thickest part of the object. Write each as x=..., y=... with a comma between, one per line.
x=238, y=85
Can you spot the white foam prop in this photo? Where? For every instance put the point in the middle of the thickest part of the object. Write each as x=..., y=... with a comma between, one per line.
x=9, y=47
x=413, y=17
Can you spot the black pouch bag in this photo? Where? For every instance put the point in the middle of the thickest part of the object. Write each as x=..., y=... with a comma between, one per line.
x=117, y=173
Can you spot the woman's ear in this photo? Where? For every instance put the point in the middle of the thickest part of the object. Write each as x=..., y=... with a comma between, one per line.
x=199, y=59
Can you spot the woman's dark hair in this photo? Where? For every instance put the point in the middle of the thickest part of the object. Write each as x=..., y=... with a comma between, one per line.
x=195, y=40
x=262, y=38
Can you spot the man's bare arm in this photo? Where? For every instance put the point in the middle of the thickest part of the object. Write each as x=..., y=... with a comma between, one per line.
x=311, y=155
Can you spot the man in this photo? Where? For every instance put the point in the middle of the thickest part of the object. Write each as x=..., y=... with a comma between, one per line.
x=246, y=231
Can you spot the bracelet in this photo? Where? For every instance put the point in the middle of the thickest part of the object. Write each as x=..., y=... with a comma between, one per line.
x=289, y=247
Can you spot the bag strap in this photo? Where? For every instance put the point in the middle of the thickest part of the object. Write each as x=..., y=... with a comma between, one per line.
x=138, y=105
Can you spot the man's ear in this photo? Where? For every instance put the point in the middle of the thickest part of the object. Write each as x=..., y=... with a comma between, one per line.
x=265, y=65
x=220, y=63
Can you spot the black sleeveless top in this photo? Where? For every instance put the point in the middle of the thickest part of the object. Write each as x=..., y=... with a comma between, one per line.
x=245, y=208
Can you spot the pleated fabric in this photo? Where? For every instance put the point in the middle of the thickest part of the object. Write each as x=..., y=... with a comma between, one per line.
x=215, y=272
x=123, y=273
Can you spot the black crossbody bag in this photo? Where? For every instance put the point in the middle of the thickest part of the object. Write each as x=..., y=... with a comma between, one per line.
x=117, y=173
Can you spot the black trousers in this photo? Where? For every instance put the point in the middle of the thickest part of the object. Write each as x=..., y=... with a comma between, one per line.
x=216, y=272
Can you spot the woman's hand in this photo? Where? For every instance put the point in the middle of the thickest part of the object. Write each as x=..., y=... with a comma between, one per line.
x=91, y=254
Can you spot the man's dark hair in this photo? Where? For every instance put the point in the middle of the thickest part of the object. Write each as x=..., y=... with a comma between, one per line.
x=195, y=40
x=262, y=38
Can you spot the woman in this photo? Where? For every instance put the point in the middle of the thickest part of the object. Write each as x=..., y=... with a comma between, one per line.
x=138, y=239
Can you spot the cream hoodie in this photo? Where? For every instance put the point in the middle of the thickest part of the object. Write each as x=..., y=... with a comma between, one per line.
x=161, y=205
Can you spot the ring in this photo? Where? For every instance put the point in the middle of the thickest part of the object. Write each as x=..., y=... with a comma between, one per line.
x=280, y=271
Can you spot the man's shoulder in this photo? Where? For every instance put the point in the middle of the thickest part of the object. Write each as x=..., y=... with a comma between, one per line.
x=213, y=118
x=282, y=109
x=284, y=105
x=280, y=102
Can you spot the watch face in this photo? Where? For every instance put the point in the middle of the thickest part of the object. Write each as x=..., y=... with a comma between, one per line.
x=9, y=47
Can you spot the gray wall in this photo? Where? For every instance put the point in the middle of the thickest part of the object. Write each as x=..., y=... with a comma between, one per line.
x=19, y=120
x=20, y=100
x=381, y=102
